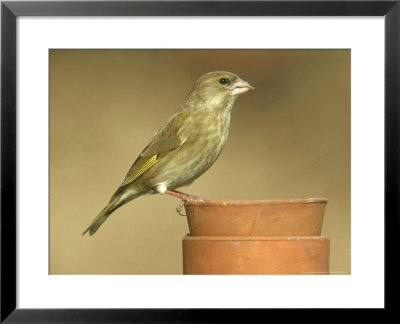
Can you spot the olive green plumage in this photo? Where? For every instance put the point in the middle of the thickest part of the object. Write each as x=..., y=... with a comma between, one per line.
x=185, y=146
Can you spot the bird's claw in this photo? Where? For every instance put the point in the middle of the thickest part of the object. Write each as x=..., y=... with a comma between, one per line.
x=179, y=208
x=187, y=199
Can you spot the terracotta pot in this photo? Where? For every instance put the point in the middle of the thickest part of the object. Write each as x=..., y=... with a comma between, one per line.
x=256, y=255
x=294, y=217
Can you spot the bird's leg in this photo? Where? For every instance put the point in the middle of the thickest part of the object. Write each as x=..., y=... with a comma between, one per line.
x=183, y=196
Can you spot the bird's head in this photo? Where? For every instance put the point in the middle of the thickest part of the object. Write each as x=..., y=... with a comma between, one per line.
x=219, y=87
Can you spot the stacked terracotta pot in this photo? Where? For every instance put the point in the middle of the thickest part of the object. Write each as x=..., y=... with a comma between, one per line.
x=256, y=237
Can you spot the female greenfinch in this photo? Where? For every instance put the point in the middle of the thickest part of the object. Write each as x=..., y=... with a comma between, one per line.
x=185, y=146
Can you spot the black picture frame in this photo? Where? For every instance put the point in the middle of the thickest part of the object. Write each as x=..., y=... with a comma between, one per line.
x=10, y=10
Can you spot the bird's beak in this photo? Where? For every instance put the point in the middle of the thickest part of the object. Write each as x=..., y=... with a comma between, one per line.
x=240, y=87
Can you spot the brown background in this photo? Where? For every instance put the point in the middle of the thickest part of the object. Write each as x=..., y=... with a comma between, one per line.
x=289, y=138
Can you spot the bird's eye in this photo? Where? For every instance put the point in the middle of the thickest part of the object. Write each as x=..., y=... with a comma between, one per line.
x=223, y=81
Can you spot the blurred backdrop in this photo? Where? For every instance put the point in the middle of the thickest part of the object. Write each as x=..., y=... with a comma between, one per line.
x=289, y=138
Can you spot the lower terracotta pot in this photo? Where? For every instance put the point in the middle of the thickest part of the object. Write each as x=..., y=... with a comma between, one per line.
x=256, y=255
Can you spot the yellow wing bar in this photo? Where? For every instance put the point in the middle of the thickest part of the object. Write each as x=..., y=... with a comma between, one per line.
x=143, y=168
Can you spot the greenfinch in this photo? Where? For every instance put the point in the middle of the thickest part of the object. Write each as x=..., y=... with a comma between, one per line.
x=185, y=146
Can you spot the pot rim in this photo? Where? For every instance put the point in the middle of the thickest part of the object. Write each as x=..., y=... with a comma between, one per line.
x=254, y=202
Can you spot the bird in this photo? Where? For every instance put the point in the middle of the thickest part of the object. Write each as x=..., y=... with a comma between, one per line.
x=184, y=147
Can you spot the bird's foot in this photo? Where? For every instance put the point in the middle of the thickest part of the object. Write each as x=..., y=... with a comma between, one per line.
x=179, y=208
x=184, y=197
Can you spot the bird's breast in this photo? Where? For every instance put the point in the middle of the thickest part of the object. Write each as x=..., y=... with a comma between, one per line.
x=203, y=147
x=204, y=142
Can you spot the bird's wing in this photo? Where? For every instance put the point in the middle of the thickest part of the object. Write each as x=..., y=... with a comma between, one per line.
x=166, y=140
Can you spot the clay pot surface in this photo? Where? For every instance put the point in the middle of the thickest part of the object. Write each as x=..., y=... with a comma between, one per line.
x=281, y=217
x=256, y=255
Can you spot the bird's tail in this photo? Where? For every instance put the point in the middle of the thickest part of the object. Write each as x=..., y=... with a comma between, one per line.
x=100, y=219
